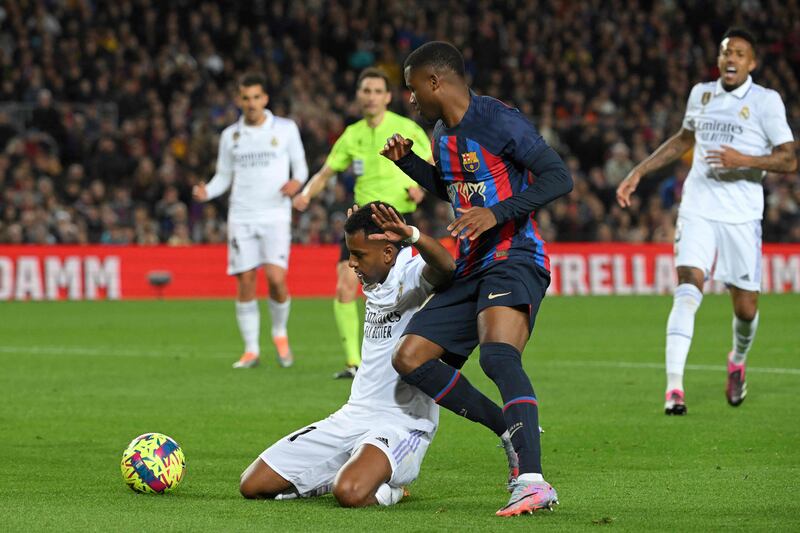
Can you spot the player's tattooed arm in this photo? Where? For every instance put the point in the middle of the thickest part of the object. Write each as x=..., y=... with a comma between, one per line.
x=439, y=264
x=669, y=152
x=782, y=159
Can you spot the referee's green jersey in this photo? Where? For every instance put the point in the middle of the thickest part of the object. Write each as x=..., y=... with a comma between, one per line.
x=378, y=178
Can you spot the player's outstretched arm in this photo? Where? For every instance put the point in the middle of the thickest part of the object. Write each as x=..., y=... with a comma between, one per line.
x=669, y=152
x=398, y=149
x=314, y=186
x=439, y=264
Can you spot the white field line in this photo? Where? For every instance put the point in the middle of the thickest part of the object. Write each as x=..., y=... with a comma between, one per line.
x=178, y=350
x=660, y=366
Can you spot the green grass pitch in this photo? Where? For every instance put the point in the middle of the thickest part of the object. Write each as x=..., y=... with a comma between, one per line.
x=80, y=380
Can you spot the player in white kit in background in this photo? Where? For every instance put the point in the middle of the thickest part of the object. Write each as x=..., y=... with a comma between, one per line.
x=255, y=157
x=738, y=130
x=372, y=447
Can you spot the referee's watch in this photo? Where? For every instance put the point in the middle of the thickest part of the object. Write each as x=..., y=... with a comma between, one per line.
x=414, y=236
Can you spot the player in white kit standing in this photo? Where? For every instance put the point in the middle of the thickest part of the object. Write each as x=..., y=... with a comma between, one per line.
x=738, y=130
x=374, y=445
x=255, y=157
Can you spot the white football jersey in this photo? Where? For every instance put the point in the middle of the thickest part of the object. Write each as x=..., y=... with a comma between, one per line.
x=377, y=387
x=750, y=119
x=255, y=161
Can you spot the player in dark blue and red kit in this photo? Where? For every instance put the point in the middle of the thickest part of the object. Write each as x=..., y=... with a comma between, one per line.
x=496, y=170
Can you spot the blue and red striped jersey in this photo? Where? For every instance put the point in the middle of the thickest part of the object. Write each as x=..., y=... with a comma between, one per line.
x=482, y=161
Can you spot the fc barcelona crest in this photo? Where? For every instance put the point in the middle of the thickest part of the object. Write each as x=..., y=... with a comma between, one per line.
x=470, y=161
x=706, y=98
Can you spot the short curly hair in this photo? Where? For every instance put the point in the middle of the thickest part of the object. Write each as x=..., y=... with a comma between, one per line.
x=362, y=220
x=438, y=54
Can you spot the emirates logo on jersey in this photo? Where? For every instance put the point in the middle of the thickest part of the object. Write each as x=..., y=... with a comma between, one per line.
x=745, y=113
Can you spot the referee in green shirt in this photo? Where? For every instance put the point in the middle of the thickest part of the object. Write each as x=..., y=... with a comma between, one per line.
x=377, y=178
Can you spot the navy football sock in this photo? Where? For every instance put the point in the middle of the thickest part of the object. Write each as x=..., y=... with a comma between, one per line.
x=503, y=364
x=450, y=389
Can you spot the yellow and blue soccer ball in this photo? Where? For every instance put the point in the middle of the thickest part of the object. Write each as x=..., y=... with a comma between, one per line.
x=153, y=463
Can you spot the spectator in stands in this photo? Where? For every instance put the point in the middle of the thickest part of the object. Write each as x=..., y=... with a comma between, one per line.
x=120, y=90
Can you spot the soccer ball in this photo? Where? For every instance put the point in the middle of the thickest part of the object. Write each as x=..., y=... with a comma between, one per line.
x=153, y=463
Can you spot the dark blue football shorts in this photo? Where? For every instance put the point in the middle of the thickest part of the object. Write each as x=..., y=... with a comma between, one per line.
x=450, y=317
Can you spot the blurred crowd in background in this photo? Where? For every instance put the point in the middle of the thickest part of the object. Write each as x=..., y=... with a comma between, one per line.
x=111, y=111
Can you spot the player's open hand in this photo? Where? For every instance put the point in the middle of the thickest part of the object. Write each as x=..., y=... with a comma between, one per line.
x=726, y=157
x=199, y=192
x=626, y=188
x=394, y=227
x=472, y=222
x=291, y=187
x=396, y=147
x=352, y=210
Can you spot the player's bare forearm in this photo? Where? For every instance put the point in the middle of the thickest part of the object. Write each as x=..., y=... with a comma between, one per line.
x=782, y=159
x=439, y=264
x=314, y=186
x=318, y=181
x=670, y=151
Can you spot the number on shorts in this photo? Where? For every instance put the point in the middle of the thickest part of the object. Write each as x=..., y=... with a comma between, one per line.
x=302, y=432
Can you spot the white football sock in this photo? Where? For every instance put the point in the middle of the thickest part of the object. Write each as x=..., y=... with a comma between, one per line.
x=279, y=312
x=249, y=319
x=530, y=477
x=680, y=328
x=388, y=495
x=743, y=334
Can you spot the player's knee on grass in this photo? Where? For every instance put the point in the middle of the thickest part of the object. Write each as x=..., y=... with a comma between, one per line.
x=259, y=481
x=350, y=491
x=250, y=488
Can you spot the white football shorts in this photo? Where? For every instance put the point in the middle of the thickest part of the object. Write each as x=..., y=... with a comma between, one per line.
x=311, y=456
x=730, y=253
x=252, y=245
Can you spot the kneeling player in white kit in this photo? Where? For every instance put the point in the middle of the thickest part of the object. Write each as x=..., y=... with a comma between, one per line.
x=738, y=130
x=255, y=156
x=373, y=446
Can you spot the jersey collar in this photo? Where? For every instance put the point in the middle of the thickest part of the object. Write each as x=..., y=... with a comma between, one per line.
x=739, y=92
x=266, y=125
